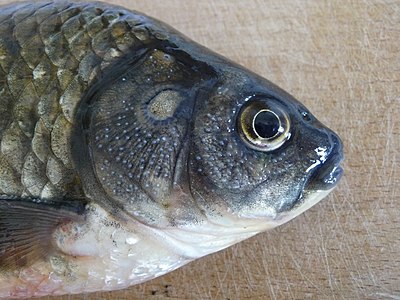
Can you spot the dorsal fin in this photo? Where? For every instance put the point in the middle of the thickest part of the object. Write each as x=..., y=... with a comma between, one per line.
x=26, y=227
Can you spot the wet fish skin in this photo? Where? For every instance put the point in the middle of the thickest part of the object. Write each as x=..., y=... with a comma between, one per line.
x=121, y=142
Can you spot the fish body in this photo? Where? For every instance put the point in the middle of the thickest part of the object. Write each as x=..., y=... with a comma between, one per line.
x=127, y=150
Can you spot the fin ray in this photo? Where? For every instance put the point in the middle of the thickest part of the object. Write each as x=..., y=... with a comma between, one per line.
x=27, y=225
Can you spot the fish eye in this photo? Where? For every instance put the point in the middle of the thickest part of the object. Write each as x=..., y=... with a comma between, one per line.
x=263, y=125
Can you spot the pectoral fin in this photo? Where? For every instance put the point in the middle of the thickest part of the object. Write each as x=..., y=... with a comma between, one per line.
x=27, y=225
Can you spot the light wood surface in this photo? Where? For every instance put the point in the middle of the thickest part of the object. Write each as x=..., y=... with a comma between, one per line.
x=342, y=59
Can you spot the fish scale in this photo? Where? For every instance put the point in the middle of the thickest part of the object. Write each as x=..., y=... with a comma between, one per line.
x=43, y=83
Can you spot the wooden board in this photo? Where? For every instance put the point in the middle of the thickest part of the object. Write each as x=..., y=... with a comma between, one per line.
x=342, y=59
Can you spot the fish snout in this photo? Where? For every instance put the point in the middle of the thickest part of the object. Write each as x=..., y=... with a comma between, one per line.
x=329, y=172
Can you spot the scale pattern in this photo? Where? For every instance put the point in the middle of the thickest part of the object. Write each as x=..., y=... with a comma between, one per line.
x=50, y=54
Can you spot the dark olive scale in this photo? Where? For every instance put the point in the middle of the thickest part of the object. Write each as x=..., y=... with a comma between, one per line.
x=44, y=87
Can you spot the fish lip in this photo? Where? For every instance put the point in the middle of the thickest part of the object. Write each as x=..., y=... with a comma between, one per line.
x=328, y=177
x=328, y=174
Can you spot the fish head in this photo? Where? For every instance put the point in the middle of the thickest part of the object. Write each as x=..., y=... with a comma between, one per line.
x=257, y=155
x=182, y=136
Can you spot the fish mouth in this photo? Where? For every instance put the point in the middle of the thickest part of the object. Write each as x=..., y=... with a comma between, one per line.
x=328, y=174
x=321, y=182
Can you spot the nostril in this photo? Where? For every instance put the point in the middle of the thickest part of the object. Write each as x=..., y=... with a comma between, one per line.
x=306, y=116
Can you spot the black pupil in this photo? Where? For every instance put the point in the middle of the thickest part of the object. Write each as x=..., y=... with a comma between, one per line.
x=266, y=124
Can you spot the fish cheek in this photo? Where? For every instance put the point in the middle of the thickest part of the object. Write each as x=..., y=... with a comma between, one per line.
x=263, y=185
x=136, y=132
x=226, y=174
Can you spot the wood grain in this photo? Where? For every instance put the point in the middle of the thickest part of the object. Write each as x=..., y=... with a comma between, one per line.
x=342, y=59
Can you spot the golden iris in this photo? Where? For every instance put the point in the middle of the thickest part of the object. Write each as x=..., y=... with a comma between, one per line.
x=264, y=125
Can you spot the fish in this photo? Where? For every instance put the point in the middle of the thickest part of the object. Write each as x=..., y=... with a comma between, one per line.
x=128, y=150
